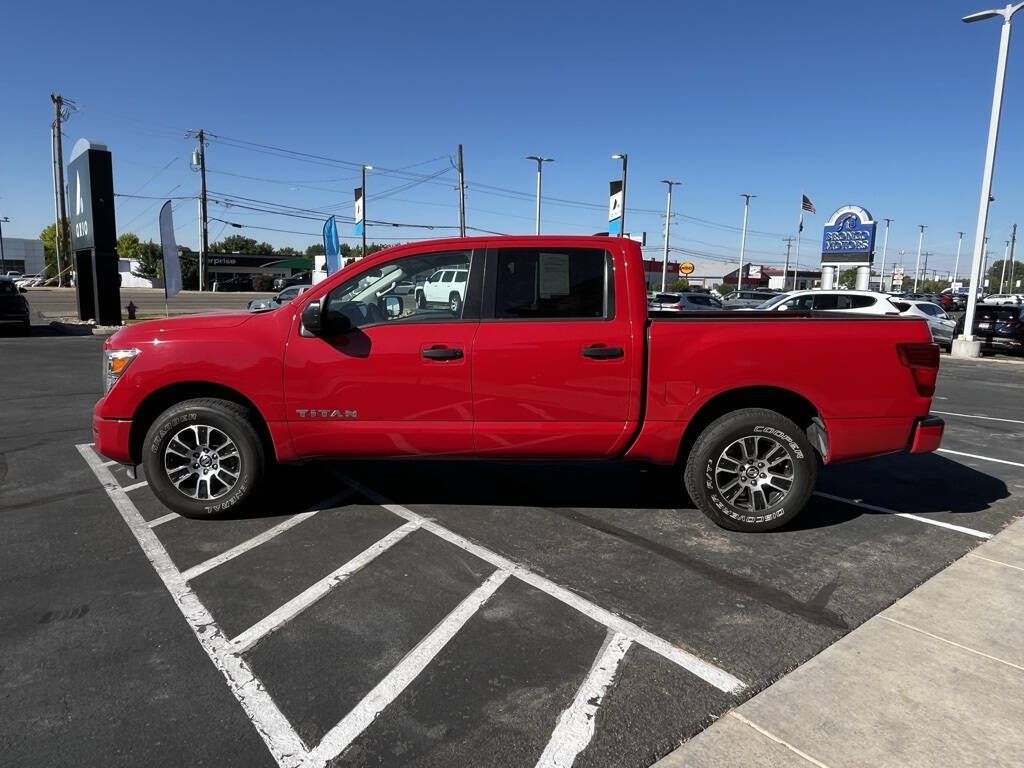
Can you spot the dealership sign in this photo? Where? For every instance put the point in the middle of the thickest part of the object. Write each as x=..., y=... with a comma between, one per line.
x=849, y=237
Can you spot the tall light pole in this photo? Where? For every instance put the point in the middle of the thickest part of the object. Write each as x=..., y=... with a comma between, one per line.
x=540, y=163
x=956, y=264
x=3, y=261
x=966, y=346
x=668, y=220
x=1002, y=275
x=366, y=168
x=625, y=159
x=743, y=240
x=885, y=248
x=917, y=266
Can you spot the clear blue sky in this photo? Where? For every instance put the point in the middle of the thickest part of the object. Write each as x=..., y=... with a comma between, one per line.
x=878, y=103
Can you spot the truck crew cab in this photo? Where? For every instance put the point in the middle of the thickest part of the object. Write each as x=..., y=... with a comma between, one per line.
x=547, y=352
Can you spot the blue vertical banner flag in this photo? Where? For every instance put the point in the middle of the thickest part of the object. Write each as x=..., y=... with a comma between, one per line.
x=615, y=207
x=359, y=210
x=332, y=248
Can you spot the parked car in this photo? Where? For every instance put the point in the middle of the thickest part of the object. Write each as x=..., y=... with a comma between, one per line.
x=861, y=302
x=949, y=301
x=301, y=278
x=998, y=328
x=942, y=326
x=552, y=355
x=1002, y=298
x=738, y=299
x=273, y=302
x=679, y=302
x=14, y=309
x=239, y=283
x=445, y=286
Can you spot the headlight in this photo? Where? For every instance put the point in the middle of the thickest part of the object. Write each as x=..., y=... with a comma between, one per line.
x=115, y=362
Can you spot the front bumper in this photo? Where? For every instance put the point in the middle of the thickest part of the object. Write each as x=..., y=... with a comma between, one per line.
x=927, y=434
x=112, y=438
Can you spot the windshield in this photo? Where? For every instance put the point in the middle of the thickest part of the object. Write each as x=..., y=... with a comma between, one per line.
x=774, y=301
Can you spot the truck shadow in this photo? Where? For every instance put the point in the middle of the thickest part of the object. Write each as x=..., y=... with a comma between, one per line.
x=919, y=484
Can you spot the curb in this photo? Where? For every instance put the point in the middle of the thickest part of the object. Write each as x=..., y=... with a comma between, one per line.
x=83, y=329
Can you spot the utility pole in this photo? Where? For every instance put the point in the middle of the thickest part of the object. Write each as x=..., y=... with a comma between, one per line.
x=462, y=198
x=540, y=162
x=668, y=221
x=743, y=240
x=1013, y=246
x=1002, y=274
x=926, y=255
x=785, y=272
x=917, y=266
x=956, y=264
x=885, y=248
x=3, y=261
x=61, y=235
x=204, y=231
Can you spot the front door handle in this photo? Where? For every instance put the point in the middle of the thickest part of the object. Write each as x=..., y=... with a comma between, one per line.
x=600, y=352
x=442, y=353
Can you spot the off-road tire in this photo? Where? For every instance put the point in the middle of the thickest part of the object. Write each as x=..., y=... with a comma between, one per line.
x=703, y=472
x=230, y=418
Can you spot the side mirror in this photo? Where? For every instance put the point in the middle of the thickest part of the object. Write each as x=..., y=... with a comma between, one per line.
x=782, y=308
x=311, y=318
x=393, y=306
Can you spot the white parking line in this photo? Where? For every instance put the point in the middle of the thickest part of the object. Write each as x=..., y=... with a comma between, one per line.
x=982, y=458
x=706, y=671
x=974, y=416
x=245, y=546
x=575, y=727
x=163, y=518
x=307, y=597
x=398, y=679
x=135, y=486
x=883, y=510
x=273, y=727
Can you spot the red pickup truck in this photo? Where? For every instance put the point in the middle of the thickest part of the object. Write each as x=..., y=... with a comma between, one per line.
x=514, y=347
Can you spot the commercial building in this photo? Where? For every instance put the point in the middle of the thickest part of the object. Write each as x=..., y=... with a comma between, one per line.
x=24, y=255
x=226, y=266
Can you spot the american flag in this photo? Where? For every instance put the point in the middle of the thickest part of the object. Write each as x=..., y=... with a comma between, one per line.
x=807, y=205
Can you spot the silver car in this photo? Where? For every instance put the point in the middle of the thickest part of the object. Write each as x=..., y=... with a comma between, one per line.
x=738, y=299
x=683, y=302
x=290, y=293
x=941, y=325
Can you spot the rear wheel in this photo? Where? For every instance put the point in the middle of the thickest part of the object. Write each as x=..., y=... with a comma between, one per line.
x=203, y=457
x=751, y=470
x=455, y=304
x=421, y=300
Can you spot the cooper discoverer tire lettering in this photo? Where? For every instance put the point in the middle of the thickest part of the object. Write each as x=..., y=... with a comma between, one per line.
x=203, y=457
x=751, y=470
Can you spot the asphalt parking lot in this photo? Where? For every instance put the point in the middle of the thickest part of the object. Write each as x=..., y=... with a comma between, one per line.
x=438, y=614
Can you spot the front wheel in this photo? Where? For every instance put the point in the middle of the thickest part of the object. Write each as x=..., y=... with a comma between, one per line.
x=751, y=470
x=421, y=300
x=455, y=304
x=203, y=457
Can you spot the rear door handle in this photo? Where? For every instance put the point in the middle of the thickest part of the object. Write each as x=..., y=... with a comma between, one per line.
x=442, y=353
x=599, y=352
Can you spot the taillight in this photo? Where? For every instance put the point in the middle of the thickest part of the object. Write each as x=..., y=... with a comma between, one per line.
x=923, y=362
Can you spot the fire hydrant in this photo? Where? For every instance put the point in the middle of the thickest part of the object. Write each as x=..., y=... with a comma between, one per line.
x=131, y=310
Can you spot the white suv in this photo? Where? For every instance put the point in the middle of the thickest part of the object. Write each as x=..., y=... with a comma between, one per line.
x=445, y=286
x=861, y=302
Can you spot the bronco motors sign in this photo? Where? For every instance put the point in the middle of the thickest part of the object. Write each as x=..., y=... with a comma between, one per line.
x=849, y=237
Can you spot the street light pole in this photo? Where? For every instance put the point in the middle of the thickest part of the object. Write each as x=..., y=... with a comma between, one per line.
x=625, y=159
x=540, y=162
x=743, y=240
x=917, y=266
x=1002, y=275
x=967, y=346
x=668, y=220
x=3, y=261
x=956, y=264
x=366, y=168
x=885, y=248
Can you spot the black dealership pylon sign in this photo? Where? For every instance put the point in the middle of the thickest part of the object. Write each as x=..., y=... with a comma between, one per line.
x=90, y=180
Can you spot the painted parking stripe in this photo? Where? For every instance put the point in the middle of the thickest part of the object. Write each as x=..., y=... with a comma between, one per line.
x=163, y=518
x=245, y=546
x=919, y=518
x=575, y=727
x=273, y=727
x=982, y=458
x=975, y=416
x=398, y=679
x=302, y=601
x=706, y=671
x=136, y=486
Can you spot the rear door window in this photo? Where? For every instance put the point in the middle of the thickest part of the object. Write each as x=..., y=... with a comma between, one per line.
x=826, y=301
x=548, y=283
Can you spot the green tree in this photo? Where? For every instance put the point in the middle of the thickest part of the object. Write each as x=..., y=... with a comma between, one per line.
x=127, y=245
x=848, y=278
x=679, y=285
x=241, y=244
x=287, y=251
x=49, y=238
x=150, y=259
x=995, y=276
x=315, y=250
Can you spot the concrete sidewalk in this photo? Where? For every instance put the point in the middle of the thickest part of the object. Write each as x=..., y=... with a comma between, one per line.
x=937, y=679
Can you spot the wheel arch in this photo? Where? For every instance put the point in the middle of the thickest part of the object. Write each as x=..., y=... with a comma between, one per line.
x=790, y=404
x=161, y=399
